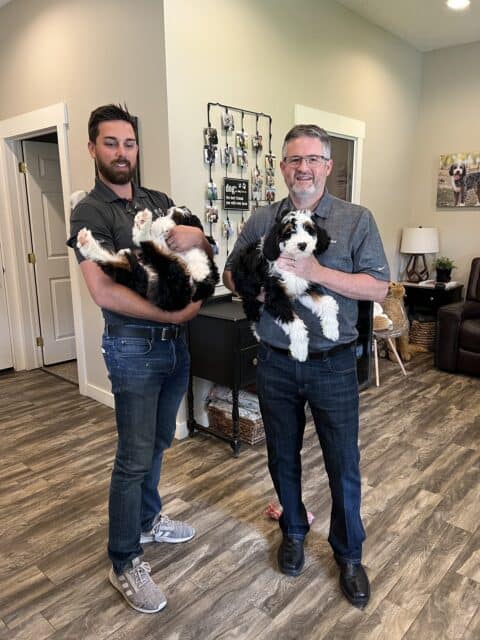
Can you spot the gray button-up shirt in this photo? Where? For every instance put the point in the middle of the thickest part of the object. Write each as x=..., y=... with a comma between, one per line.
x=355, y=247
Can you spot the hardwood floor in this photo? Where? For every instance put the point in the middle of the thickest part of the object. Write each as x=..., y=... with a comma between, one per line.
x=420, y=442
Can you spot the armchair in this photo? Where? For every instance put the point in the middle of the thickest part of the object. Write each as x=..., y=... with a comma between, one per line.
x=458, y=330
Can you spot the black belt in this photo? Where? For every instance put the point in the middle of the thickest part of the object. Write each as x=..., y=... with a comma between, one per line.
x=169, y=332
x=315, y=355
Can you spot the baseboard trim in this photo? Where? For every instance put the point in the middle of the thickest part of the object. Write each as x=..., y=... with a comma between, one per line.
x=96, y=393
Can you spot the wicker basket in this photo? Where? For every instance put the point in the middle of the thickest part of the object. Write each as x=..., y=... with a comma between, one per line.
x=251, y=431
x=423, y=333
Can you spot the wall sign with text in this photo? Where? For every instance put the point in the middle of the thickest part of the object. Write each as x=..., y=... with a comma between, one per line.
x=235, y=194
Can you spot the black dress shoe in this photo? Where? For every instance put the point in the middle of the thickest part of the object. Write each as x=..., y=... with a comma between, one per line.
x=354, y=583
x=290, y=556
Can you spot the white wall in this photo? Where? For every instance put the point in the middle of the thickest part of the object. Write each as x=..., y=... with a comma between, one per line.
x=267, y=56
x=86, y=53
x=448, y=123
x=263, y=55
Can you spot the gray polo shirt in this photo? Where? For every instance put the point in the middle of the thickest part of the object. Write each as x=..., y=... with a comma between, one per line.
x=355, y=247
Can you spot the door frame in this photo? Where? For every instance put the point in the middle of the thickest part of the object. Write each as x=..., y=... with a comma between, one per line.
x=341, y=127
x=19, y=276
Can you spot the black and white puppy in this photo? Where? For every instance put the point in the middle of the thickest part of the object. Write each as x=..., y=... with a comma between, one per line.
x=168, y=279
x=463, y=182
x=255, y=268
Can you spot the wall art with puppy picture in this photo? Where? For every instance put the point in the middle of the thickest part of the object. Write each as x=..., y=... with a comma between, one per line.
x=458, y=182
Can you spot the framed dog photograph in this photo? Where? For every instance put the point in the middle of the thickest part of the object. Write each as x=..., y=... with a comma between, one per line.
x=458, y=182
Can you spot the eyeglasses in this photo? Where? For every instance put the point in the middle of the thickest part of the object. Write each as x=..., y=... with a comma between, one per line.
x=312, y=161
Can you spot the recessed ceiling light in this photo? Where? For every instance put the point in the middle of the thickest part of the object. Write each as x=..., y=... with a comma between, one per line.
x=458, y=5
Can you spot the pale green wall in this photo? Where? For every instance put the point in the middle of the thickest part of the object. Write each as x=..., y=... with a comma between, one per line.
x=264, y=55
x=268, y=55
x=449, y=122
x=86, y=53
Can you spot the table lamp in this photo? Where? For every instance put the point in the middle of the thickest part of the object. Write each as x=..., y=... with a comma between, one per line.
x=417, y=241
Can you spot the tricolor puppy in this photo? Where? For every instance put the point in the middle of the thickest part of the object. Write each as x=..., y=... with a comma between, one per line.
x=168, y=279
x=463, y=182
x=255, y=268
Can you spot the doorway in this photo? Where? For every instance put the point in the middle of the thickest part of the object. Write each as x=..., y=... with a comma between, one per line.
x=347, y=136
x=35, y=288
x=340, y=180
x=49, y=258
x=6, y=356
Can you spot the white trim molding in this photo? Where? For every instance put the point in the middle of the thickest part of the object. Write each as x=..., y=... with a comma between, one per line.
x=23, y=321
x=342, y=127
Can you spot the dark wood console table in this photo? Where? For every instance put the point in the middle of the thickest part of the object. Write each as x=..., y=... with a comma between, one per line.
x=223, y=349
x=427, y=299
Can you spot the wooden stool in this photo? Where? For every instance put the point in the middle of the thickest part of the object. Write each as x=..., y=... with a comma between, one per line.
x=389, y=335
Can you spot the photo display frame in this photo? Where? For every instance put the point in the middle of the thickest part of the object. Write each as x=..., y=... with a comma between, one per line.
x=458, y=180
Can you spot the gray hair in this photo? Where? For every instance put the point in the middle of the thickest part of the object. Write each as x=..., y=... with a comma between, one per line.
x=308, y=131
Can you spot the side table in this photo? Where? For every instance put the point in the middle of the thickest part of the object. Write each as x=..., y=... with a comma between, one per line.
x=427, y=299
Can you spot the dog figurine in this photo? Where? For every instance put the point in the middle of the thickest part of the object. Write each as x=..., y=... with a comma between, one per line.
x=463, y=182
x=255, y=268
x=168, y=279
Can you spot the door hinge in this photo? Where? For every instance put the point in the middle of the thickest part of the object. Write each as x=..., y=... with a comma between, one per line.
x=31, y=258
x=40, y=342
x=22, y=167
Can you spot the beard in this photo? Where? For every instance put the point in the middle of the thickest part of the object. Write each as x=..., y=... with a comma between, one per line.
x=115, y=174
x=307, y=190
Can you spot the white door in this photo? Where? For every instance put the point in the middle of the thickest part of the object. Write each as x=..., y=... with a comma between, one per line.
x=6, y=359
x=47, y=222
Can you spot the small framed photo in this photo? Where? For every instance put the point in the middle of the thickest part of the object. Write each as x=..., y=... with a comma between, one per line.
x=458, y=182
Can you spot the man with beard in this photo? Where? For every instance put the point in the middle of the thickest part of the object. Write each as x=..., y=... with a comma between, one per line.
x=145, y=353
x=353, y=268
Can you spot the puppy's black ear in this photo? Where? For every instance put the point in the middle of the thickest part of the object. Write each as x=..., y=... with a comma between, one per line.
x=450, y=171
x=323, y=240
x=271, y=244
x=280, y=215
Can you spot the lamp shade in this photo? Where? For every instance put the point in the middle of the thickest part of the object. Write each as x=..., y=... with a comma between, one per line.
x=419, y=240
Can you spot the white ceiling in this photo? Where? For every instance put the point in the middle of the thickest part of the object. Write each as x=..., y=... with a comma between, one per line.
x=425, y=24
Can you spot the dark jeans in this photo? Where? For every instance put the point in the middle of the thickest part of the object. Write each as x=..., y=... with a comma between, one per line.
x=149, y=379
x=330, y=387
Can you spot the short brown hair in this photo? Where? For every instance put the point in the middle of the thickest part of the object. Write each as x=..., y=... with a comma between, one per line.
x=308, y=131
x=106, y=113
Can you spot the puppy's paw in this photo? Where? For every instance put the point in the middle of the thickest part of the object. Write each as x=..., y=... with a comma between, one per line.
x=298, y=334
x=329, y=318
x=142, y=226
x=160, y=228
x=330, y=328
x=76, y=197
x=84, y=239
x=299, y=350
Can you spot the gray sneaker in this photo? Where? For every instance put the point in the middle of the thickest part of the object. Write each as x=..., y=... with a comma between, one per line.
x=166, y=530
x=138, y=588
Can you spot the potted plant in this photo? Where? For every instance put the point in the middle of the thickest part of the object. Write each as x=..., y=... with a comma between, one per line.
x=444, y=268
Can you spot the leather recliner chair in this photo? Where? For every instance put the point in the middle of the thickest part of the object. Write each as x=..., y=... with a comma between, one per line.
x=458, y=330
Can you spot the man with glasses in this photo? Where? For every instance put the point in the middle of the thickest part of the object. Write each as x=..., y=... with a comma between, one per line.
x=353, y=268
x=145, y=352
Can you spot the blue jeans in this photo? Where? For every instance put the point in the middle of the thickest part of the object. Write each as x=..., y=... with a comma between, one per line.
x=149, y=379
x=330, y=387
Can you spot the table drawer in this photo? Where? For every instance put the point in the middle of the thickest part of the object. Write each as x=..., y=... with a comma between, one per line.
x=245, y=336
x=431, y=298
x=248, y=365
